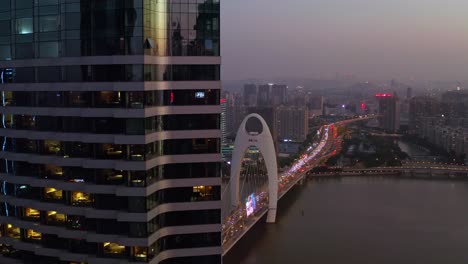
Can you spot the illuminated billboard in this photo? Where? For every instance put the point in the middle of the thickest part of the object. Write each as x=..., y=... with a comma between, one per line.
x=250, y=204
x=199, y=95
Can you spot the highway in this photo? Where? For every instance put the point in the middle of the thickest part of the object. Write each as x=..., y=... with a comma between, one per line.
x=327, y=144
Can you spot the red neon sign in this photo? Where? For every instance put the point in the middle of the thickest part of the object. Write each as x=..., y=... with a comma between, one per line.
x=383, y=95
x=223, y=100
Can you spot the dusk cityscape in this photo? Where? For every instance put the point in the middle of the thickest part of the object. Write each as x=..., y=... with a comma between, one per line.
x=233, y=132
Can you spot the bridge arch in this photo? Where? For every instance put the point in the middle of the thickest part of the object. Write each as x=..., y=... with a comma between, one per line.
x=264, y=142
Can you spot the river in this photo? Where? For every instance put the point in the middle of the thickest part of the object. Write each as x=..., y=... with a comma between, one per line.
x=364, y=220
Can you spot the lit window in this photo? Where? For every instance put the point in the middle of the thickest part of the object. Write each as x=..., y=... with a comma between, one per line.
x=52, y=194
x=12, y=231
x=113, y=248
x=198, y=189
x=80, y=198
x=53, y=171
x=55, y=218
x=140, y=253
x=203, y=191
x=52, y=146
x=32, y=213
x=33, y=235
x=24, y=25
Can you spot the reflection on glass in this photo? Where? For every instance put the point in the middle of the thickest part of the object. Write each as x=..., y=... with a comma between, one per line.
x=115, y=177
x=137, y=152
x=24, y=25
x=137, y=179
x=112, y=151
x=53, y=171
x=48, y=23
x=52, y=147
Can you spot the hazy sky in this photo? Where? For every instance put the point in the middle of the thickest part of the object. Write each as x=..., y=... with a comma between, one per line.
x=375, y=39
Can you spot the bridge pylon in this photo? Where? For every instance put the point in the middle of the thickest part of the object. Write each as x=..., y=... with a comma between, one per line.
x=263, y=141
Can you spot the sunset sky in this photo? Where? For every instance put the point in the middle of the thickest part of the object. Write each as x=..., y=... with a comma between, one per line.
x=375, y=39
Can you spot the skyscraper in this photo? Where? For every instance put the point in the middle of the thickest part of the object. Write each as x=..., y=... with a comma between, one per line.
x=292, y=123
x=110, y=131
x=278, y=94
x=250, y=94
x=263, y=95
x=389, y=111
x=223, y=125
x=409, y=93
x=454, y=104
x=420, y=107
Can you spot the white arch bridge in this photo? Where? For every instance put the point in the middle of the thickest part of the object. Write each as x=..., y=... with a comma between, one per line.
x=255, y=186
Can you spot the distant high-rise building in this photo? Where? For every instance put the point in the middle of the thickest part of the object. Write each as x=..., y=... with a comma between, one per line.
x=270, y=115
x=389, y=111
x=111, y=131
x=223, y=102
x=278, y=94
x=409, y=93
x=421, y=107
x=454, y=104
x=250, y=94
x=235, y=112
x=263, y=95
x=315, y=105
x=293, y=123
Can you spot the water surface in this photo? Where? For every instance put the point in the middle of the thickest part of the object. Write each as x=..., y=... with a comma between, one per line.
x=364, y=220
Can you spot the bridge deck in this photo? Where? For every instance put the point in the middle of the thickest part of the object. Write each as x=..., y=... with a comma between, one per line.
x=324, y=152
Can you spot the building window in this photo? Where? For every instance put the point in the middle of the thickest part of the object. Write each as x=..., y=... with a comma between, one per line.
x=22, y=4
x=81, y=199
x=76, y=222
x=140, y=253
x=25, y=51
x=113, y=249
x=5, y=52
x=203, y=192
x=52, y=147
x=48, y=49
x=137, y=152
x=32, y=235
x=52, y=171
x=24, y=25
x=12, y=231
x=48, y=23
x=54, y=218
x=31, y=213
x=52, y=194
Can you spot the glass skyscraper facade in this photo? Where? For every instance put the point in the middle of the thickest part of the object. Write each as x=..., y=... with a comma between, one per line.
x=110, y=131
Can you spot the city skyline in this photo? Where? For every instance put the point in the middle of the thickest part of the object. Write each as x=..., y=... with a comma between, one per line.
x=420, y=40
